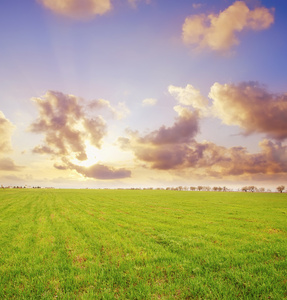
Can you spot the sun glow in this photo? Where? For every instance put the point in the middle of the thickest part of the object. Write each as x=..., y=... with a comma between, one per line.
x=108, y=153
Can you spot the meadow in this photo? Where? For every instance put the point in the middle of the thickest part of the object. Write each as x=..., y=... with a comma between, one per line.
x=123, y=244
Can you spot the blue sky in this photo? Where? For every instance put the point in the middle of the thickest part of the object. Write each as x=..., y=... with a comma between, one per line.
x=199, y=62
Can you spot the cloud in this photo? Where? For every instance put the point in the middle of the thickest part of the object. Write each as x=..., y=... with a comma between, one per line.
x=188, y=96
x=184, y=129
x=149, y=102
x=68, y=129
x=6, y=129
x=219, y=32
x=65, y=126
x=250, y=106
x=196, y=5
x=7, y=164
x=119, y=112
x=221, y=161
x=78, y=9
x=83, y=9
x=162, y=148
x=134, y=3
x=176, y=150
x=209, y=159
x=99, y=171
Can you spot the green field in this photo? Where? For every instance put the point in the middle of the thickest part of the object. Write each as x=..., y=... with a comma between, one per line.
x=109, y=244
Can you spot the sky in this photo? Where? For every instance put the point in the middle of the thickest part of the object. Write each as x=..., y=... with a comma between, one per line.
x=143, y=93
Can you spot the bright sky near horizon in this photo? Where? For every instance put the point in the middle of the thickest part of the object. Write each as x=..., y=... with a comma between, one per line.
x=140, y=93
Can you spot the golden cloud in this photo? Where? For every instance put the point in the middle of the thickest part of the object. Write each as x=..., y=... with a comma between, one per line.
x=188, y=96
x=218, y=32
x=78, y=9
x=250, y=106
x=6, y=129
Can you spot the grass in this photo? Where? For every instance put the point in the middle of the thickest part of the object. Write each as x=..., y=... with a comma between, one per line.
x=107, y=244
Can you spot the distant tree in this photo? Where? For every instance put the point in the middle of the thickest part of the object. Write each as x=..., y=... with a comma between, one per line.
x=215, y=188
x=252, y=188
x=207, y=188
x=262, y=190
x=199, y=188
x=244, y=189
x=219, y=188
x=192, y=188
x=280, y=188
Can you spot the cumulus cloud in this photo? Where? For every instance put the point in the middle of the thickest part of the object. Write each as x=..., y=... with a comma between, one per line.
x=162, y=148
x=65, y=125
x=209, y=159
x=7, y=164
x=250, y=106
x=188, y=96
x=79, y=9
x=68, y=129
x=149, y=102
x=219, y=32
x=175, y=148
x=184, y=129
x=6, y=129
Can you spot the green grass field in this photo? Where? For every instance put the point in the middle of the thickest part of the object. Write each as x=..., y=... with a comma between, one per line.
x=109, y=244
